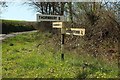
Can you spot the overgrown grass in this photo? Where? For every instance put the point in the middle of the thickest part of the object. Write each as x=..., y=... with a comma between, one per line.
x=34, y=56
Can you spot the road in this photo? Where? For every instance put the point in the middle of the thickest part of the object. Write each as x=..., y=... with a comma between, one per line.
x=4, y=36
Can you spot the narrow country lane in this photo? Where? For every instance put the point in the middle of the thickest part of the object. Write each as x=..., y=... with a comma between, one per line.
x=4, y=36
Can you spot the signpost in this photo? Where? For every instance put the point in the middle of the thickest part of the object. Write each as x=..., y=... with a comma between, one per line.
x=68, y=31
x=41, y=17
x=76, y=31
x=57, y=24
x=60, y=25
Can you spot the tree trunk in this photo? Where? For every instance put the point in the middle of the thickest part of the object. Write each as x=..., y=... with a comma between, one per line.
x=62, y=8
x=70, y=11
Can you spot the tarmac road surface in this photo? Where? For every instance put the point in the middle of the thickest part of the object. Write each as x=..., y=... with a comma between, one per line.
x=4, y=36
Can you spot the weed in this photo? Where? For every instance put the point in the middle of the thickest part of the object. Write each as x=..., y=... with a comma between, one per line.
x=34, y=56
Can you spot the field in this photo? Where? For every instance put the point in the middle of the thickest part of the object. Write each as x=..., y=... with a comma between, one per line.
x=34, y=55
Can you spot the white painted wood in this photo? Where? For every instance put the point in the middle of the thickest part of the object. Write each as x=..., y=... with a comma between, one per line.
x=69, y=31
x=80, y=30
x=41, y=17
x=57, y=24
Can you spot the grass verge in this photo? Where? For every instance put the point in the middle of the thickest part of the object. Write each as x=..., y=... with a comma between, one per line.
x=32, y=55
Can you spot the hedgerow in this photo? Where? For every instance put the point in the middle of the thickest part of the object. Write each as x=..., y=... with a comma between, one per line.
x=9, y=26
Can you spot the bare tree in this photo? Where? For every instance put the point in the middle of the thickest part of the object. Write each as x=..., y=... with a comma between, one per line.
x=3, y=5
x=56, y=8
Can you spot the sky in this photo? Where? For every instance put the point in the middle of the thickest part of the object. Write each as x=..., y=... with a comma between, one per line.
x=18, y=11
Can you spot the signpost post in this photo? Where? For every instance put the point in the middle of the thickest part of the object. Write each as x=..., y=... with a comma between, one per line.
x=68, y=31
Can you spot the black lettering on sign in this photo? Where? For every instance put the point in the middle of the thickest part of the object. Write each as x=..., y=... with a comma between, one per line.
x=59, y=18
x=56, y=24
x=77, y=32
x=47, y=17
x=39, y=17
x=82, y=32
x=68, y=31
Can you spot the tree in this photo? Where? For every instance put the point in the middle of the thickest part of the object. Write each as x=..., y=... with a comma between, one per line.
x=97, y=16
x=3, y=5
x=94, y=16
x=54, y=8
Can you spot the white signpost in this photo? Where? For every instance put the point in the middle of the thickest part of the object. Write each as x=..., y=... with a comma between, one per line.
x=76, y=31
x=64, y=29
x=41, y=17
x=57, y=24
x=68, y=31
